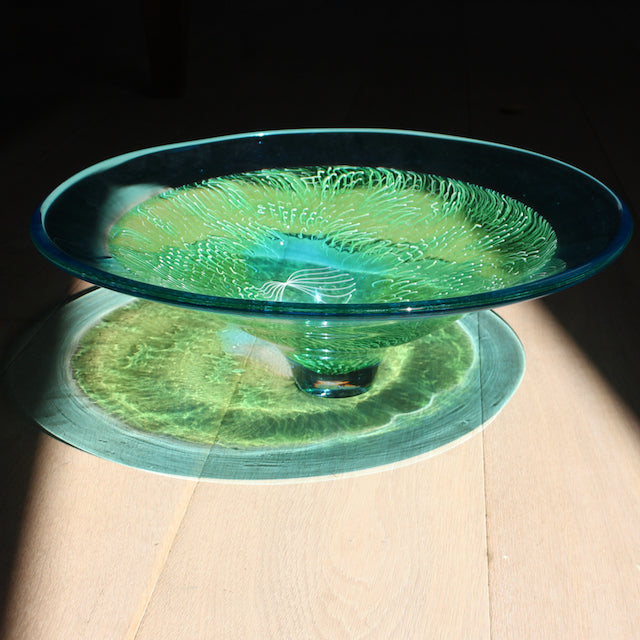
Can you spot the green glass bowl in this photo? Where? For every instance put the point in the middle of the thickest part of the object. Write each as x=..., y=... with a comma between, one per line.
x=333, y=244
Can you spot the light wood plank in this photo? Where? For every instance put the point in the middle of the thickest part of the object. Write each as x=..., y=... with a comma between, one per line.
x=563, y=497
x=95, y=537
x=395, y=554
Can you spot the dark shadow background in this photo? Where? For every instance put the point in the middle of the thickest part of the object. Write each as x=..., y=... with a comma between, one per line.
x=85, y=81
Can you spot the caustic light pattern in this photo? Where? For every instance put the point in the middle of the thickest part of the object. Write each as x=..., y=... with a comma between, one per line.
x=182, y=373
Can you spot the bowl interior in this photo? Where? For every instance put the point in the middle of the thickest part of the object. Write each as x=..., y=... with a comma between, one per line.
x=333, y=235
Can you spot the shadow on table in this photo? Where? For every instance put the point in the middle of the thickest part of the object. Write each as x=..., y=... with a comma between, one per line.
x=19, y=438
x=601, y=315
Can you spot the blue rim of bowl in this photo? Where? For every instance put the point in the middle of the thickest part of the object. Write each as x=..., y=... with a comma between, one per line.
x=441, y=306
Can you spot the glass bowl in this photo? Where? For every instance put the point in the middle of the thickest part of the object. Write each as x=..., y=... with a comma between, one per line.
x=333, y=244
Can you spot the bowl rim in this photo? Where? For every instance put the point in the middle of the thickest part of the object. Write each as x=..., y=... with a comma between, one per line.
x=439, y=306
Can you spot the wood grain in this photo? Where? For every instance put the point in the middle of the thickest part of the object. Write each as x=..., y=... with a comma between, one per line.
x=563, y=481
x=397, y=554
x=401, y=553
x=94, y=539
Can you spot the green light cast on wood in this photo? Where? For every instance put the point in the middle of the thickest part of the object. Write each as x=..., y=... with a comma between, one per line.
x=151, y=406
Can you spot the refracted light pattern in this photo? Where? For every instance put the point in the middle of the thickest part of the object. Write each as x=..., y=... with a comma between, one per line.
x=188, y=375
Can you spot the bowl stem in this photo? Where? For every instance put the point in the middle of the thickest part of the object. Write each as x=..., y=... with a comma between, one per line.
x=342, y=385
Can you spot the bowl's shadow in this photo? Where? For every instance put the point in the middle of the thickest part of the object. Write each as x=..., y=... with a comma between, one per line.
x=176, y=391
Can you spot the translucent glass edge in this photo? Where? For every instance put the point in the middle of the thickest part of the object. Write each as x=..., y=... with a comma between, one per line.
x=125, y=157
x=443, y=306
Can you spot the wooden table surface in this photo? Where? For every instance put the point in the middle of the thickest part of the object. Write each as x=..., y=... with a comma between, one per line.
x=528, y=529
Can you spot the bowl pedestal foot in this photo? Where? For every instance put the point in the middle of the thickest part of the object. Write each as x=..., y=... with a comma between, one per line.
x=326, y=385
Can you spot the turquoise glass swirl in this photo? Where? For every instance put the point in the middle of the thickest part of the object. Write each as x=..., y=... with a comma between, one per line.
x=334, y=235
